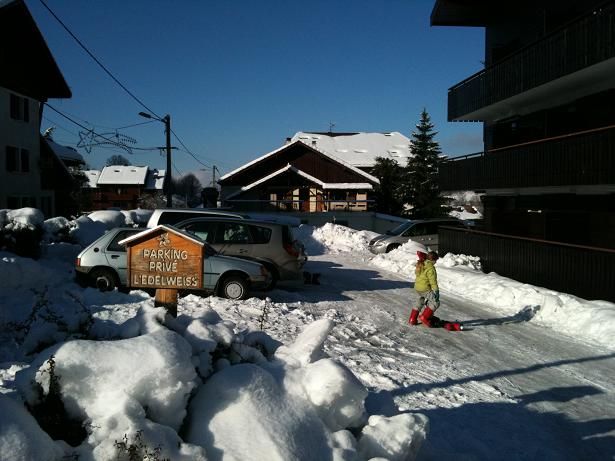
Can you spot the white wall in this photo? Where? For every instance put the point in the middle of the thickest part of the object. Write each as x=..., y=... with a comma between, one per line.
x=23, y=135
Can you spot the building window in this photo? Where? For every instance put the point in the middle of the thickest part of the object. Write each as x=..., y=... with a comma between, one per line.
x=17, y=160
x=14, y=203
x=20, y=108
x=11, y=158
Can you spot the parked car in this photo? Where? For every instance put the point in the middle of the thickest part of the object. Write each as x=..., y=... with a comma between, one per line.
x=174, y=215
x=424, y=231
x=103, y=264
x=271, y=244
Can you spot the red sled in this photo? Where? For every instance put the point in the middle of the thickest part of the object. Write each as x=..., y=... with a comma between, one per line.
x=453, y=326
x=436, y=322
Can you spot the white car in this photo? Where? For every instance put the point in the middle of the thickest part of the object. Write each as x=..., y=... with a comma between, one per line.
x=103, y=264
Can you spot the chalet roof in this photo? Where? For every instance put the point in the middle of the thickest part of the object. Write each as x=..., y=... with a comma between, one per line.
x=166, y=228
x=341, y=161
x=67, y=154
x=126, y=175
x=120, y=174
x=92, y=176
x=359, y=149
x=344, y=186
x=28, y=67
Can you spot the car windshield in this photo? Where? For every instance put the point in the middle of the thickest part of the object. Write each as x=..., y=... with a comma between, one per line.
x=399, y=229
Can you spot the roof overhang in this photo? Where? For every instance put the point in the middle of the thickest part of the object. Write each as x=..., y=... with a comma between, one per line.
x=28, y=67
x=341, y=162
x=310, y=178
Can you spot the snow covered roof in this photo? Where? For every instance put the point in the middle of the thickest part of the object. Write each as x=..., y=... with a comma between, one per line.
x=92, y=176
x=155, y=179
x=120, y=174
x=65, y=153
x=289, y=167
x=359, y=149
x=316, y=148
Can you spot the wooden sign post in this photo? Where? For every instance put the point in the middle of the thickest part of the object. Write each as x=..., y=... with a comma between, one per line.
x=167, y=259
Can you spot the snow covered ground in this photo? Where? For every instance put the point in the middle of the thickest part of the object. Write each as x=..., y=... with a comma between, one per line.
x=329, y=371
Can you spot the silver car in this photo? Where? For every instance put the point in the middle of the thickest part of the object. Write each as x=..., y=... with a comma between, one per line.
x=103, y=264
x=423, y=231
x=271, y=244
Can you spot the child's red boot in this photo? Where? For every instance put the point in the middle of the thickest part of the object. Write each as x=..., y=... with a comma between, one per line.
x=414, y=313
x=425, y=316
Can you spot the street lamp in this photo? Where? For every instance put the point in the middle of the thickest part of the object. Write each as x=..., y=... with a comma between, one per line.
x=168, y=184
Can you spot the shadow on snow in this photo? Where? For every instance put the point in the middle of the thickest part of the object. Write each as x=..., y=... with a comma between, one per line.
x=509, y=430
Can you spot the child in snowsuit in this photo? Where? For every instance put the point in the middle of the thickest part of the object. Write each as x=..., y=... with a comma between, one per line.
x=426, y=286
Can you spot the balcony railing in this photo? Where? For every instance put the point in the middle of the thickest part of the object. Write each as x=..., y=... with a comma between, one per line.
x=582, y=271
x=585, y=158
x=301, y=205
x=585, y=42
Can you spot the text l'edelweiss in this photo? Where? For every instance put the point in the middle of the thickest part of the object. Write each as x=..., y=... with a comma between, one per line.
x=165, y=260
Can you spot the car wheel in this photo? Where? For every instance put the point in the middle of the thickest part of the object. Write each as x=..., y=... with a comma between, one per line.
x=234, y=287
x=393, y=247
x=104, y=279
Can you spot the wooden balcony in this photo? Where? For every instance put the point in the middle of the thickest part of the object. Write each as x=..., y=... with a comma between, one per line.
x=584, y=158
x=588, y=41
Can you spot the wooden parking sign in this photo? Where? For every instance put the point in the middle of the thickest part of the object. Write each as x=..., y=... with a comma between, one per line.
x=167, y=259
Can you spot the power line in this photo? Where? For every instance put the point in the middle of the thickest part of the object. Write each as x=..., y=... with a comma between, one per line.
x=118, y=82
x=188, y=150
x=96, y=59
x=89, y=130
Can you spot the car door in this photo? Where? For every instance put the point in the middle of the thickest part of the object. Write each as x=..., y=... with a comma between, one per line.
x=116, y=253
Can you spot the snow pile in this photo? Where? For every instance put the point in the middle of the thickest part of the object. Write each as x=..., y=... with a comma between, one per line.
x=138, y=217
x=21, y=219
x=334, y=238
x=235, y=393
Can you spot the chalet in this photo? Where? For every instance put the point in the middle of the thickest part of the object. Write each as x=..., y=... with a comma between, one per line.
x=29, y=76
x=314, y=172
x=119, y=186
x=546, y=99
x=299, y=176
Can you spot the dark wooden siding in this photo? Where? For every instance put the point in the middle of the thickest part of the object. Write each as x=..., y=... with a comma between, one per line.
x=582, y=271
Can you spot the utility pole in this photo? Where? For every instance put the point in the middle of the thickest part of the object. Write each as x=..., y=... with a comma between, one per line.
x=169, y=175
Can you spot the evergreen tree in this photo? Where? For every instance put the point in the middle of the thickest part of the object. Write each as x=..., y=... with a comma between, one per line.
x=387, y=192
x=421, y=189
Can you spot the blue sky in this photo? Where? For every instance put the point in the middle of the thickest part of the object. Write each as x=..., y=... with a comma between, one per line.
x=239, y=77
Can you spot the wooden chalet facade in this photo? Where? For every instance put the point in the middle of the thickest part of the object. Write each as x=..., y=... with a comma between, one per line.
x=124, y=187
x=298, y=177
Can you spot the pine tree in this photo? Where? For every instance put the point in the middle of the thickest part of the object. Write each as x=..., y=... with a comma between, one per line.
x=421, y=189
x=390, y=175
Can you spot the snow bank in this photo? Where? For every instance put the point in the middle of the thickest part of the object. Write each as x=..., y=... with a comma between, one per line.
x=333, y=237
x=250, y=396
x=21, y=438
